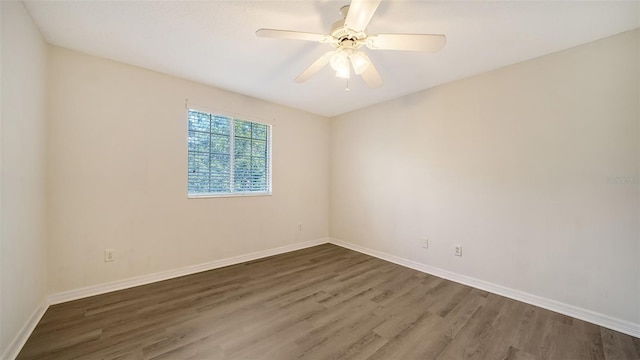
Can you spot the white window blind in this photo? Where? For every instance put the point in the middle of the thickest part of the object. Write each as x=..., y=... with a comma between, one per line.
x=228, y=156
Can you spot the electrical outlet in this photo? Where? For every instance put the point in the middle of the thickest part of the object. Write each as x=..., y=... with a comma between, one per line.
x=299, y=227
x=457, y=251
x=425, y=243
x=109, y=255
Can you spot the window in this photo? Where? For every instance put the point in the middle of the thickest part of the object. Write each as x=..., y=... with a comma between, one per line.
x=228, y=156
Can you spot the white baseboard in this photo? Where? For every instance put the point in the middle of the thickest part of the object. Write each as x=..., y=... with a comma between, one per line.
x=170, y=274
x=609, y=322
x=18, y=342
x=12, y=351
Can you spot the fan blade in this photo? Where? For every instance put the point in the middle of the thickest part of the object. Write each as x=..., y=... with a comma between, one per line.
x=315, y=67
x=407, y=42
x=370, y=75
x=297, y=35
x=360, y=13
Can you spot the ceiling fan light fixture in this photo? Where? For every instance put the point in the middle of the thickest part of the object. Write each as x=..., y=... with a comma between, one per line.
x=344, y=72
x=359, y=61
x=339, y=60
x=340, y=63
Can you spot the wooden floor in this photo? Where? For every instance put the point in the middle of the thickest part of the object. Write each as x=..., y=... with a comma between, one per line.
x=324, y=302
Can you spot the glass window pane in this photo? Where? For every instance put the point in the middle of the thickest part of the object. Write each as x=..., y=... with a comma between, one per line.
x=242, y=178
x=220, y=144
x=259, y=166
x=198, y=141
x=220, y=169
x=259, y=148
x=242, y=147
x=199, y=121
x=221, y=125
x=198, y=162
x=198, y=172
x=259, y=174
x=220, y=164
x=243, y=128
x=259, y=131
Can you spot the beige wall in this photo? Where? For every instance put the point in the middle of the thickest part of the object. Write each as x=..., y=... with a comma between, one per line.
x=515, y=165
x=118, y=165
x=22, y=128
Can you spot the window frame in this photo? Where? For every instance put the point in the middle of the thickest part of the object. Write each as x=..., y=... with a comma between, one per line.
x=232, y=119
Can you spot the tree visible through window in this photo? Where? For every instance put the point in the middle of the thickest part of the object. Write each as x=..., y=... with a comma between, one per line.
x=227, y=155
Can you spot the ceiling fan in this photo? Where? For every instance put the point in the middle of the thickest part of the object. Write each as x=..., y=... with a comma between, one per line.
x=348, y=35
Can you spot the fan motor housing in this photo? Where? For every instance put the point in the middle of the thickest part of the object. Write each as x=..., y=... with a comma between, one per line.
x=341, y=32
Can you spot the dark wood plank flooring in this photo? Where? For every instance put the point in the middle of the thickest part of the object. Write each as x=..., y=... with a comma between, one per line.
x=324, y=302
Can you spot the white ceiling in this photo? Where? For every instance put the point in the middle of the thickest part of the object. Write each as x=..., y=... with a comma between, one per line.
x=214, y=42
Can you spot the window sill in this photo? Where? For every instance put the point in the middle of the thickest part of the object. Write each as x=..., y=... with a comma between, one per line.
x=214, y=195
